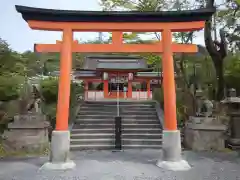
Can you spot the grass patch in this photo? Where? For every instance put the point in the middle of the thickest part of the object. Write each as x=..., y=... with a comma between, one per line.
x=23, y=153
x=226, y=150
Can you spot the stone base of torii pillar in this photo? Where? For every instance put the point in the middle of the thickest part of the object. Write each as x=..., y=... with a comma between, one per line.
x=172, y=152
x=60, y=149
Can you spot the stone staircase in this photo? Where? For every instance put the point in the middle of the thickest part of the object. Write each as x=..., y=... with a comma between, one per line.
x=94, y=127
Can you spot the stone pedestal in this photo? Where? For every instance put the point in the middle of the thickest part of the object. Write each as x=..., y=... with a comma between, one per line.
x=60, y=149
x=172, y=152
x=27, y=132
x=204, y=136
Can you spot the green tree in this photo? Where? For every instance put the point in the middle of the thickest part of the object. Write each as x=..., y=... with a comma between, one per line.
x=9, y=87
x=232, y=72
x=49, y=90
x=227, y=18
x=11, y=72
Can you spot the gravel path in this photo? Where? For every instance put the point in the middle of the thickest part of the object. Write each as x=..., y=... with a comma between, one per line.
x=128, y=165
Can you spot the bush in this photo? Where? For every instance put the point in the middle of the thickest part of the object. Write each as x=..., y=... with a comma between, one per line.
x=9, y=87
x=49, y=90
x=76, y=89
x=7, y=111
x=158, y=96
x=232, y=72
x=180, y=108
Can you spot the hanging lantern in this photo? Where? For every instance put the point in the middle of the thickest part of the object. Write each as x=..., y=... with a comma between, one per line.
x=130, y=76
x=105, y=76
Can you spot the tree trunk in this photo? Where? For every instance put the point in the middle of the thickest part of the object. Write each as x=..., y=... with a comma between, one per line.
x=220, y=80
x=217, y=51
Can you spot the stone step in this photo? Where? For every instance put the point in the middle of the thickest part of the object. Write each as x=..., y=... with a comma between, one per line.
x=145, y=116
x=104, y=141
x=140, y=121
x=94, y=126
x=93, y=136
x=115, y=107
x=149, y=112
x=92, y=131
x=98, y=106
x=142, y=136
x=141, y=130
x=140, y=126
x=94, y=121
x=112, y=125
x=94, y=116
x=112, y=130
x=124, y=111
x=120, y=104
x=102, y=108
x=112, y=135
x=113, y=113
x=112, y=121
x=101, y=116
x=142, y=141
x=87, y=112
x=77, y=147
x=140, y=146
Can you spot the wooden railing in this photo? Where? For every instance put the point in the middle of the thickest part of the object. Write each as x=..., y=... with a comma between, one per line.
x=99, y=95
x=94, y=95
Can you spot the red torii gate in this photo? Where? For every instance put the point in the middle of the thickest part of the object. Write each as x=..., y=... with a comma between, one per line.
x=117, y=23
x=117, y=46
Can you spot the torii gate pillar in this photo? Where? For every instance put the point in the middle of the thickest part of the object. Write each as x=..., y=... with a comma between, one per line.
x=60, y=144
x=171, y=135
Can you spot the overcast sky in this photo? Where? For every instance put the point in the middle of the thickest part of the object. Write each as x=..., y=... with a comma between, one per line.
x=16, y=32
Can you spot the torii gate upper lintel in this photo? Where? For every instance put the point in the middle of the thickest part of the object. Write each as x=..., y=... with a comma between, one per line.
x=118, y=22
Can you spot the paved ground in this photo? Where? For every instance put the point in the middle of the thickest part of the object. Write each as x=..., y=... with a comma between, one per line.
x=128, y=165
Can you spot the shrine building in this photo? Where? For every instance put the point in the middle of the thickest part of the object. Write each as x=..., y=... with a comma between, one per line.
x=113, y=76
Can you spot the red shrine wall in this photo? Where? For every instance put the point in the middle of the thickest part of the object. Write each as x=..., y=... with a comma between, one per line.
x=139, y=89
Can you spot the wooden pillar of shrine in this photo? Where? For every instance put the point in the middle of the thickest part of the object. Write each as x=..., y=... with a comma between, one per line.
x=105, y=88
x=129, y=95
x=64, y=81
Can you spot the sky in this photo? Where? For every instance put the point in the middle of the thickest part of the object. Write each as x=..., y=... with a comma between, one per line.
x=21, y=38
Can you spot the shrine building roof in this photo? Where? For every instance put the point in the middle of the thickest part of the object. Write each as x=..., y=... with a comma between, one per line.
x=39, y=14
x=114, y=62
x=112, y=56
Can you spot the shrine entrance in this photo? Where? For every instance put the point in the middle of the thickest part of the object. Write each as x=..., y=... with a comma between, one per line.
x=114, y=92
x=69, y=22
x=118, y=84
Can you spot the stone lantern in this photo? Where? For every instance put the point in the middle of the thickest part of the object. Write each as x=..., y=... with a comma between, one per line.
x=232, y=103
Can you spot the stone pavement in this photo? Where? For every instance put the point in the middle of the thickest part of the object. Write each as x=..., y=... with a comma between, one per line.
x=128, y=165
